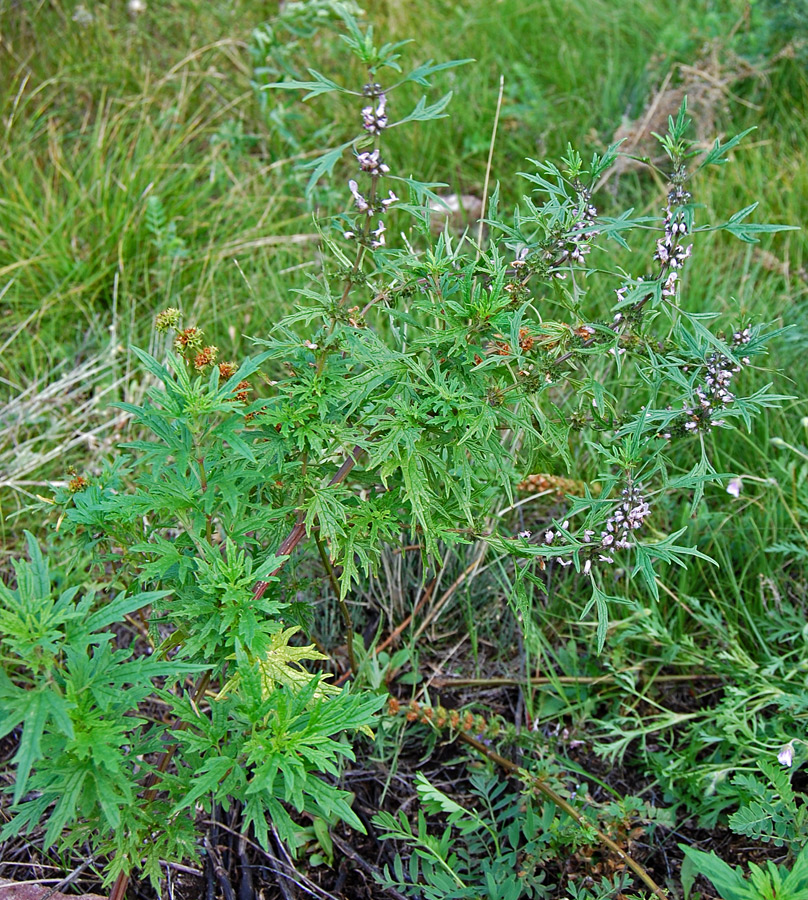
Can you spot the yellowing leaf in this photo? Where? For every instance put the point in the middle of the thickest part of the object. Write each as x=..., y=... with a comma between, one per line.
x=282, y=666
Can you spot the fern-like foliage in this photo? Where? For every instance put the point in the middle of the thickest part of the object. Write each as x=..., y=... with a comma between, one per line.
x=770, y=809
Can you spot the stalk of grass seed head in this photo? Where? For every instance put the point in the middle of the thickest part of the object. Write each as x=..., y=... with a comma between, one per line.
x=512, y=769
x=488, y=164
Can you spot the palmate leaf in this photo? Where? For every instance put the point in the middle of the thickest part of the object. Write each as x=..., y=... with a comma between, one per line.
x=282, y=666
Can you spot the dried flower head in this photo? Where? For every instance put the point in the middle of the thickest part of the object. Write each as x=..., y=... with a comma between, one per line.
x=77, y=484
x=189, y=340
x=526, y=340
x=206, y=357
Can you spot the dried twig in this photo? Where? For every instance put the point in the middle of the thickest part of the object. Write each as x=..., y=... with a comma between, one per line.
x=219, y=870
x=347, y=850
x=73, y=876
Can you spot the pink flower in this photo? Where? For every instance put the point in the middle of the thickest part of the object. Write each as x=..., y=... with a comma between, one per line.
x=734, y=487
x=786, y=755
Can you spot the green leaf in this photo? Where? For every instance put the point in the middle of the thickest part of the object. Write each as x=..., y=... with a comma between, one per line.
x=716, y=155
x=320, y=85
x=151, y=365
x=38, y=568
x=423, y=113
x=37, y=712
x=324, y=165
x=420, y=74
x=601, y=603
x=206, y=779
x=729, y=882
x=116, y=610
x=748, y=231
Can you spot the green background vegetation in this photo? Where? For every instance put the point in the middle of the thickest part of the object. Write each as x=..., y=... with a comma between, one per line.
x=139, y=168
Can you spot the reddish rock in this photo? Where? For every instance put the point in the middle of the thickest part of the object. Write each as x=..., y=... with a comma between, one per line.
x=12, y=890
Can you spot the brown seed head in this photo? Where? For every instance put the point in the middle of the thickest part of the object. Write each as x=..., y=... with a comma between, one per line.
x=526, y=340
x=78, y=484
x=188, y=340
x=206, y=357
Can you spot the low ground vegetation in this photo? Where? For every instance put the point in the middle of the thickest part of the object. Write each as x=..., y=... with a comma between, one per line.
x=379, y=521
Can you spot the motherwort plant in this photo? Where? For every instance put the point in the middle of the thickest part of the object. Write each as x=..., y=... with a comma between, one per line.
x=414, y=384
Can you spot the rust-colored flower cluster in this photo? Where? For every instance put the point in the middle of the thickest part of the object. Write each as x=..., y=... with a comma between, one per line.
x=188, y=340
x=539, y=483
x=439, y=717
x=189, y=343
x=241, y=392
x=205, y=358
x=77, y=484
x=526, y=340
